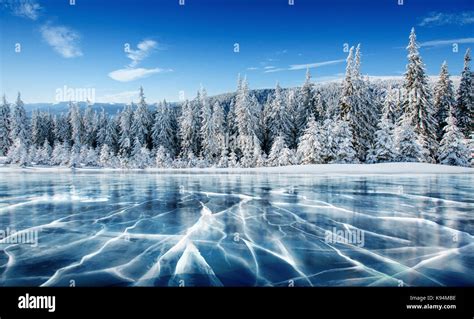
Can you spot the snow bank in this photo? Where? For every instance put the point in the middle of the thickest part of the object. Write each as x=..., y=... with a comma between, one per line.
x=318, y=169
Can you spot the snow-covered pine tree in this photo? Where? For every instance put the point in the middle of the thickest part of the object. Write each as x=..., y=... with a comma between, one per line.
x=19, y=124
x=343, y=141
x=384, y=149
x=465, y=98
x=309, y=148
x=292, y=117
x=102, y=122
x=163, y=159
x=280, y=154
x=233, y=163
x=18, y=153
x=5, y=141
x=141, y=121
x=44, y=154
x=223, y=159
x=62, y=128
x=60, y=154
x=36, y=136
x=105, y=156
x=453, y=149
x=321, y=109
x=247, y=109
x=278, y=118
x=125, y=135
x=188, y=130
x=407, y=142
x=208, y=144
x=346, y=102
x=77, y=128
x=162, y=131
x=112, y=133
x=443, y=99
x=326, y=139
x=391, y=105
x=417, y=104
x=218, y=140
x=90, y=124
x=307, y=102
x=141, y=157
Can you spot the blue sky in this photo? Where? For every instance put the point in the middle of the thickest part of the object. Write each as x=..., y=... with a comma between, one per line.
x=177, y=48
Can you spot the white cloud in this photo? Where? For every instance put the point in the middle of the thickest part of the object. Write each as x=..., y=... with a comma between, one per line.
x=143, y=50
x=440, y=18
x=29, y=9
x=252, y=68
x=131, y=74
x=294, y=67
x=121, y=97
x=62, y=39
x=438, y=43
x=269, y=67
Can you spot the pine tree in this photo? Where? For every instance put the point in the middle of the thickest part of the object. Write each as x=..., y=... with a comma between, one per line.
x=218, y=133
x=443, y=99
x=417, y=104
x=247, y=109
x=391, y=106
x=141, y=121
x=343, y=140
x=327, y=141
x=384, y=149
x=453, y=149
x=162, y=131
x=102, y=123
x=307, y=102
x=206, y=131
x=18, y=153
x=125, y=139
x=62, y=129
x=465, y=98
x=44, y=154
x=90, y=122
x=105, y=156
x=309, y=148
x=408, y=146
x=60, y=154
x=5, y=141
x=280, y=154
x=188, y=132
x=162, y=159
x=19, y=124
x=77, y=128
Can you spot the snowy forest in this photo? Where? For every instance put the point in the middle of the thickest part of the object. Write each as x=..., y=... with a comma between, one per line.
x=355, y=121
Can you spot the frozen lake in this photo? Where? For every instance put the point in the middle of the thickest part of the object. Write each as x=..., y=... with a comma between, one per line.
x=151, y=229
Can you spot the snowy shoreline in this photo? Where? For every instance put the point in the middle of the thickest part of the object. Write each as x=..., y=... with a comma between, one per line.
x=317, y=169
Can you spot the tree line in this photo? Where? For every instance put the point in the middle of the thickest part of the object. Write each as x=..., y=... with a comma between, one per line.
x=352, y=122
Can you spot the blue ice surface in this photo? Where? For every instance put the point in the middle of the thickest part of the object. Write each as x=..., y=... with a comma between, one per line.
x=170, y=229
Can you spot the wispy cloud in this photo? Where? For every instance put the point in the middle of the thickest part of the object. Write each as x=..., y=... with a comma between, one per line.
x=294, y=67
x=269, y=67
x=62, y=39
x=252, y=68
x=29, y=9
x=438, y=43
x=143, y=50
x=131, y=74
x=440, y=18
